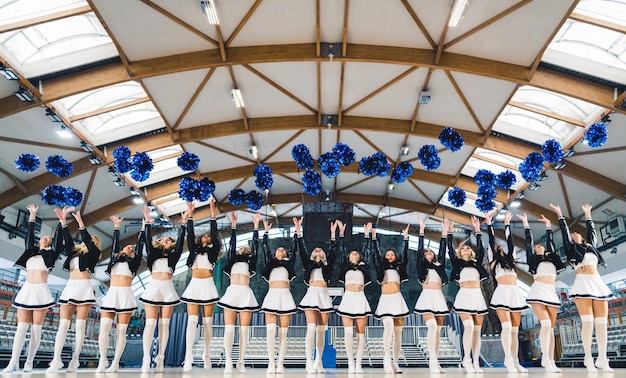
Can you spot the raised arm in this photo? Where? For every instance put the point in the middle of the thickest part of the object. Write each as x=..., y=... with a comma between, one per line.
x=375, y=248
x=29, y=242
x=530, y=243
x=148, y=230
x=491, y=234
x=592, y=236
x=510, y=244
x=366, y=246
x=304, y=256
x=266, y=241
x=405, y=249
x=420, y=243
x=85, y=235
x=117, y=222
x=441, y=256
x=255, y=235
x=57, y=239
x=141, y=238
x=450, y=241
x=191, y=234
x=232, y=246
x=480, y=249
x=568, y=243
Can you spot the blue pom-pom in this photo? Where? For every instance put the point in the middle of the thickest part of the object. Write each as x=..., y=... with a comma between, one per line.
x=485, y=205
x=401, y=172
x=329, y=165
x=123, y=165
x=429, y=157
x=597, y=134
x=121, y=152
x=206, y=187
x=312, y=183
x=54, y=195
x=237, y=197
x=302, y=156
x=534, y=160
x=484, y=177
x=187, y=188
x=451, y=139
x=142, y=166
x=552, y=151
x=58, y=166
x=254, y=200
x=188, y=161
x=487, y=192
x=530, y=174
x=27, y=163
x=345, y=155
x=457, y=196
x=375, y=165
x=73, y=196
x=264, y=179
x=506, y=179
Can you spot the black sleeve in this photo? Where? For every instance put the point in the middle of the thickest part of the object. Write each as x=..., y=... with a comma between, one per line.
x=266, y=247
x=304, y=256
x=376, y=252
x=405, y=253
x=141, y=239
x=115, y=247
x=255, y=244
x=293, y=250
x=550, y=246
x=148, y=239
x=451, y=251
x=510, y=244
x=57, y=245
x=592, y=236
x=232, y=244
x=530, y=243
x=29, y=242
x=492, y=242
x=191, y=236
x=441, y=257
x=480, y=249
x=420, y=251
x=568, y=243
x=91, y=246
x=178, y=248
x=332, y=251
x=68, y=241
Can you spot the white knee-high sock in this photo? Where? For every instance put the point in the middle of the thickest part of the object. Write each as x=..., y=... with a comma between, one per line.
x=360, y=348
x=319, y=341
x=207, y=323
x=148, y=338
x=431, y=339
x=18, y=341
x=59, y=341
x=586, y=334
x=243, y=342
x=468, y=336
x=120, y=342
x=551, y=349
x=309, y=340
x=397, y=344
x=79, y=337
x=438, y=339
x=515, y=343
x=164, y=335
x=505, y=338
x=348, y=333
x=103, y=337
x=229, y=338
x=35, y=340
x=387, y=336
x=601, y=336
x=476, y=345
x=270, y=329
x=544, y=339
x=282, y=345
x=190, y=336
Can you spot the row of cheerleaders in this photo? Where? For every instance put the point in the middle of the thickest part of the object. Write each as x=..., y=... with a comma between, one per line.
x=590, y=294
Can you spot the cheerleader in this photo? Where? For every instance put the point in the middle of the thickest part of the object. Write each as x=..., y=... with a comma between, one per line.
x=201, y=291
x=278, y=302
x=507, y=299
x=468, y=271
x=431, y=303
x=78, y=295
x=392, y=308
x=119, y=299
x=239, y=298
x=590, y=293
x=543, y=264
x=160, y=294
x=34, y=298
x=354, y=307
x=316, y=303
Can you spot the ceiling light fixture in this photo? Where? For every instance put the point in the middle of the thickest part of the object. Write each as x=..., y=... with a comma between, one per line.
x=424, y=97
x=138, y=200
x=113, y=172
x=235, y=94
x=86, y=147
x=515, y=204
x=254, y=152
x=119, y=182
x=64, y=132
x=54, y=117
x=208, y=8
x=24, y=94
x=95, y=159
x=569, y=153
x=458, y=9
x=534, y=186
x=390, y=188
x=8, y=73
x=134, y=191
x=520, y=195
x=405, y=151
x=559, y=165
x=327, y=196
x=543, y=177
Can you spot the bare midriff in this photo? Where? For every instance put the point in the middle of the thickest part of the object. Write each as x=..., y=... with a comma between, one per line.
x=240, y=279
x=470, y=284
x=318, y=283
x=546, y=279
x=119, y=280
x=354, y=287
x=201, y=273
x=432, y=285
x=587, y=269
x=390, y=287
x=509, y=279
x=76, y=274
x=37, y=276
x=161, y=276
x=279, y=285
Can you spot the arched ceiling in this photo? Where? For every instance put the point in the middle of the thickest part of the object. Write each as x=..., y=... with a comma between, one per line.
x=155, y=76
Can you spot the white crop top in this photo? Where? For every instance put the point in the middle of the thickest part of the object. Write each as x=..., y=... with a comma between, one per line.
x=503, y=272
x=36, y=263
x=74, y=264
x=202, y=262
x=121, y=269
x=240, y=268
x=469, y=274
x=354, y=277
x=432, y=276
x=317, y=275
x=546, y=269
x=391, y=275
x=160, y=266
x=279, y=274
x=590, y=259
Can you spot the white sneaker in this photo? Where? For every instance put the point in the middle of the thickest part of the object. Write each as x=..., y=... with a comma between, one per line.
x=477, y=367
x=114, y=367
x=28, y=367
x=102, y=365
x=520, y=368
x=434, y=367
x=556, y=368
x=359, y=369
x=73, y=366
x=280, y=369
x=206, y=359
x=309, y=366
x=396, y=368
x=271, y=369
x=11, y=367
x=145, y=365
x=387, y=366
x=351, y=368
x=241, y=366
x=159, y=360
x=55, y=366
x=603, y=364
x=228, y=367
x=510, y=365
x=318, y=366
x=467, y=364
x=188, y=364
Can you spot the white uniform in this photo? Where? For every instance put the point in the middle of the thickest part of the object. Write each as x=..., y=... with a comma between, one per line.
x=34, y=296
x=507, y=297
x=470, y=300
x=239, y=297
x=316, y=297
x=391, y=305
x=589, y=285
x=432, y=301
x=354, y=304
x=160, y=292
x=279, y=301
x=201, y=291
x=541, y=292
x=77, y=291
x=119, y=299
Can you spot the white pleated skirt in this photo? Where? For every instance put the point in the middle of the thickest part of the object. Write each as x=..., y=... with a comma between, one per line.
x=543, y=293
x=470, y=301
x=508, y=297
x=160, y=293
x=78, y=292
x=316, y=298
x=239, y=298
x=34, y=296
x=119, y=299
x=279, y=301
x=590, y=286
x=431, y=301
x=200, y=291
x=391, y=305
x=354, y=305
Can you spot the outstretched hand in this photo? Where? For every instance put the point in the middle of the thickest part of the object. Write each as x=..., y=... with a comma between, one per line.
x=117, y=221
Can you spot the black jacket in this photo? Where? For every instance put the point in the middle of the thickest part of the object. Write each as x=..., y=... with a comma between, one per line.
x=576, y=252
x=233, y=257
x=271, y=262
x=212, y=250
x=133, y=262
x=439, y=266
x=87, y=261
x=458, y=264
x=49, y=255
x=309, y=265
x=506, y=261
x=346, y=265
x=382, y=265
x=549, y=255
x=157, y=253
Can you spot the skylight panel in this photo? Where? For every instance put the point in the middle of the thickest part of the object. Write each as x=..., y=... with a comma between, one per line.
x=12, y=11
x=102, y=98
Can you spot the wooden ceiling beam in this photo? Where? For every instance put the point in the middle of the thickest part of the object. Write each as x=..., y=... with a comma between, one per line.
x=45, y=18
x=111, y=108
x=605, y=24
x=547, y=113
